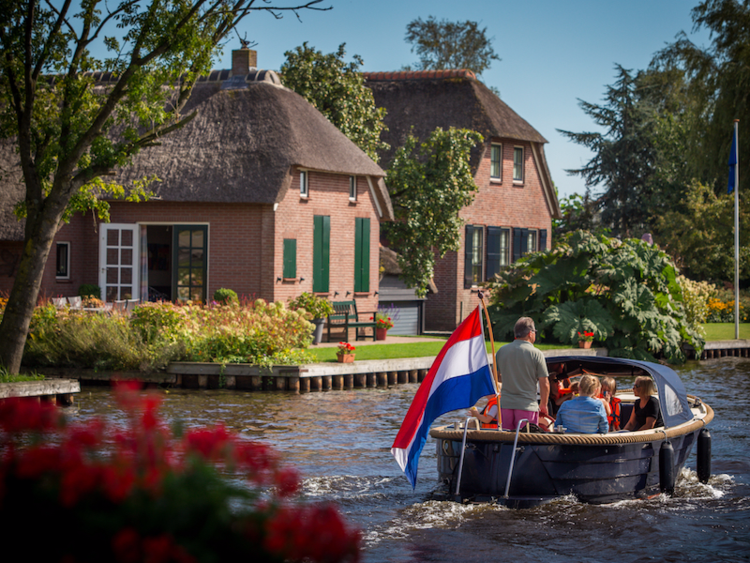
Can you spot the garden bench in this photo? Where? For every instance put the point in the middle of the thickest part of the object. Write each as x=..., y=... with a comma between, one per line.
x=345, y=316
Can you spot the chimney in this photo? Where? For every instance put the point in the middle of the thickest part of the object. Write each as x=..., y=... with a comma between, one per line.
x=242, y=60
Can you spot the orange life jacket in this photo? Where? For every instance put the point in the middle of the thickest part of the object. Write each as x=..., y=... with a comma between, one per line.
x=493, y=422
x=614, y=418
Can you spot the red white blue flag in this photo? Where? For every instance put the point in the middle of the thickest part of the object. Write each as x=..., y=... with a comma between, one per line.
x=458, y=378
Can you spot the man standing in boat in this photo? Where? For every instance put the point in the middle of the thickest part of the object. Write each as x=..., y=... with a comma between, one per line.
x=521, y=368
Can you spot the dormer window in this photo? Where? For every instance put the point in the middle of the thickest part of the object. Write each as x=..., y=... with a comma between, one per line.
x=518, y=165
x=496, y=163
x=304, y=188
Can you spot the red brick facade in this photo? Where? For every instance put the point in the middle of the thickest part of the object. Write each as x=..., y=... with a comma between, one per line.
x=502, y=203
x=245, y=241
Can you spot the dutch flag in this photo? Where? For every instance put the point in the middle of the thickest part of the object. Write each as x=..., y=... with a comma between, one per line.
x=458, y=378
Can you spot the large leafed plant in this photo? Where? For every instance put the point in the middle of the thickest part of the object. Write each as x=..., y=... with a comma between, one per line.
x=626, y=292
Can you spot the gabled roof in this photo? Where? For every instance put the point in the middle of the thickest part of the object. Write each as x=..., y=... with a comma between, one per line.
x=426, y=100
x=418, y=102
x=241, y=147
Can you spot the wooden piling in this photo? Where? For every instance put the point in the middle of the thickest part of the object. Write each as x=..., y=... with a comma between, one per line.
x=337, y=382
x=316, y=383
x=304, y=384
x=326, y=383
x=349, y=381
x=372, y=380
x=414, y=376
x=293, y=383
x=280, y=383
x=392, y=378
x=382, y=379
x=360, y=380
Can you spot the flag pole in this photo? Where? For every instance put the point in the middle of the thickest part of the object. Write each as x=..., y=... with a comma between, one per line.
x=494, y=359
x=737, y=231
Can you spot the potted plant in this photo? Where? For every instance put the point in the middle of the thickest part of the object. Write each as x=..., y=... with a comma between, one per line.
x=318, y=307
x=345, y=353
x=384, y=322
x=585, y=339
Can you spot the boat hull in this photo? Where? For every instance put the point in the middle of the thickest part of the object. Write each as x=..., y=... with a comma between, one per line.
x=594, y=473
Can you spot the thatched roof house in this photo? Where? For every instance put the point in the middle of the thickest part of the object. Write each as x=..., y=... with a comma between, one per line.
x=253, y=188
x=515, y=202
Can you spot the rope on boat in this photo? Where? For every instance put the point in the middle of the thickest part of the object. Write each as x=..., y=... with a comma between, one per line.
x=581, y=439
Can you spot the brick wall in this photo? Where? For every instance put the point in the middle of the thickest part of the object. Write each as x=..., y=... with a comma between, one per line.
x=497, y=204
x=328, y=195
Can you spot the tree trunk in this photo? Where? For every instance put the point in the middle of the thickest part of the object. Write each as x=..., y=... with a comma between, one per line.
x=23, y=297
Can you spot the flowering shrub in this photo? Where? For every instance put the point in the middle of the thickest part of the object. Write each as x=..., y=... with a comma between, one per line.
x=259, y=333
x=720, y=311
x=345, y=348
x=318, y=307
x=695, y=297
x=144, y=493
x=157, y=333
x=585, y=336
x=382, y=320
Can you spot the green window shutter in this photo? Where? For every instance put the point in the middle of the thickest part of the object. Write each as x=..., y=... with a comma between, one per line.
x=321, y=252
x=290, y=258
x=362, y=254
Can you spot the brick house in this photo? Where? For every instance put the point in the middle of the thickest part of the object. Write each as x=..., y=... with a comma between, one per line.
x=259, y=193
x=513, y=209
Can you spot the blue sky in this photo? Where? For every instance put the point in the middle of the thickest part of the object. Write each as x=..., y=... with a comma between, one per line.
x=553, y=52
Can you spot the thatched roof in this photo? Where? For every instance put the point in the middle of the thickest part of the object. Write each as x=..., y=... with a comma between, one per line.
x=418, y=102
x=242, y=147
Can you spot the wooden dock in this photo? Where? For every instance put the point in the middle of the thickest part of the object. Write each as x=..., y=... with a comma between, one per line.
x=59, y=391
x=303, y=378
x=723, y=348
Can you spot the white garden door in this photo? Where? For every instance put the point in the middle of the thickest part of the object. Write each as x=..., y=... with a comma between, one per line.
x=119, y=261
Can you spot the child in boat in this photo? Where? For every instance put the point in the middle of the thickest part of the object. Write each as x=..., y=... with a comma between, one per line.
x=556, y=397
x=584, y=414
x=488, y=416
x=609, y=389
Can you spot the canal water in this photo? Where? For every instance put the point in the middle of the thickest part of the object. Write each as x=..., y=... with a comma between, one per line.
x=340, y=441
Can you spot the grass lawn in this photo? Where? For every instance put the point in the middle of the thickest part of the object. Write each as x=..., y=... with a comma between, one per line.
x=725, y=331
x=391, y=351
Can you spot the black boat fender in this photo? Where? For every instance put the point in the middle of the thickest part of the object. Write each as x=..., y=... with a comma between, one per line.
x=703, y=463
x=667, y=475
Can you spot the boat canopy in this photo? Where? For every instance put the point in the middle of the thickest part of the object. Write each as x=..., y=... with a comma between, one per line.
x=672, y=395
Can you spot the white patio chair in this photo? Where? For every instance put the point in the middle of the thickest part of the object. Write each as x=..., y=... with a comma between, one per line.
x=75, y=302
x=59, y=302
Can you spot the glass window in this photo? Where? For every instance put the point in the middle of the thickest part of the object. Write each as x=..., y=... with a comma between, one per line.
x=496, y=160
x=303, y=184
x=474, y=254
x=518, y=164
x=353, y=188
x=498, y=250
x=63, y=260
x=531, y=245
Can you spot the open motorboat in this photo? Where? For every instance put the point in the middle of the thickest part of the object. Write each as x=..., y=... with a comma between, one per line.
x=523, y=468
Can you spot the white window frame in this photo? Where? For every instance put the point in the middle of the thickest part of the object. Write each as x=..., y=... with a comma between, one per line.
x=352, y=188
x=516, y=150
x=304, y=183
x=535, y=234
x=67, y=261
x=499, y=177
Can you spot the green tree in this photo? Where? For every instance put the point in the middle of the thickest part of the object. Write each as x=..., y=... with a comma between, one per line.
x=626, y=292
x=579, y=213
x=701, y=236
x=71, y=132
x=444, y=44
x=718, y=78
x=624, y=155
x=429, y=183
x=338, y=91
